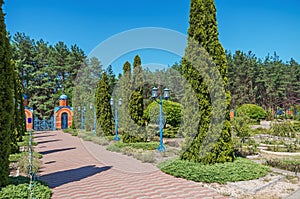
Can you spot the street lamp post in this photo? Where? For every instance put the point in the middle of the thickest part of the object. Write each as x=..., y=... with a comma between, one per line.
x=84, y=110
x=91, y=107
x=54, y=118
x=81, y=111
x=166, y=96
x=116, y=116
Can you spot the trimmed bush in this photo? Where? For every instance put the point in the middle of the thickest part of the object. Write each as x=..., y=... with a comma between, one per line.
x=172, y=111
x=252, y=111
x=239, y=170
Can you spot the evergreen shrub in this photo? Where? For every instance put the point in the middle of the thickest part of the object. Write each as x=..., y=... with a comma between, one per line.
x=253, y=111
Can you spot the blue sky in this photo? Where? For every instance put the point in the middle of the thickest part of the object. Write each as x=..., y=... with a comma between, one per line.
x=262, y=26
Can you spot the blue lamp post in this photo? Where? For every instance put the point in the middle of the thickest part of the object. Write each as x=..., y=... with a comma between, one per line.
x=84, y=110
x=116, y=117
x=166, y=96
x=54, y=120
x=81, y=111
x=91, y=107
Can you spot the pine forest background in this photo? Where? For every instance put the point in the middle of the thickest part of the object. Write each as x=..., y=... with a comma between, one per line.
x=47, y=71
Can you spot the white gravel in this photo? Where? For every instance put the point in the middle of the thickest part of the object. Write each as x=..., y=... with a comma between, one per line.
x=269, y=187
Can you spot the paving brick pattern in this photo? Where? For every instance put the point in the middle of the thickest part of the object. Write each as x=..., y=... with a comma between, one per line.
x=77, y=169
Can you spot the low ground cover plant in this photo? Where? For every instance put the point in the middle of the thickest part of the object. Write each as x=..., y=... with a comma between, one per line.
x=239, y=170
x=136, y=145
x=286, y=164
x=89, y=136
x=73, y=132
x=25, y=141
x=18, y=188
x=20, y=159
x=143, y=151
x=284, y=129
x=18, y=156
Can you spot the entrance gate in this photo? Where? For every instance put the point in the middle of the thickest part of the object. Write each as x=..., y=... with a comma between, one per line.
x=64, y=121
x=43, y=125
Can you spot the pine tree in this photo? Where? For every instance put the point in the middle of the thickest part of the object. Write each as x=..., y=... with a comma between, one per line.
x=23, y=54
x=76, y=59
x=40, y=83
x=203, y=32
x=103, y=108
x=46, y=71
x=7, y=103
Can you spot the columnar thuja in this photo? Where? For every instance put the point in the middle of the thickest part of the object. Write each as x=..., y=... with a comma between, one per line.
x=203, y=36
x=103, y=110
x=7, y=102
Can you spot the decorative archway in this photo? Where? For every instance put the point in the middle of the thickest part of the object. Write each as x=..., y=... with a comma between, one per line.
x=59, y=116
x=62, y=119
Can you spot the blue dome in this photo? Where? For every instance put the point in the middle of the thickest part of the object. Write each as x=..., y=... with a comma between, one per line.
x=63, y=97
x=25, y=96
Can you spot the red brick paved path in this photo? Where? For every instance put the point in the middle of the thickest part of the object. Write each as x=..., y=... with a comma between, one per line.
x=77, y=169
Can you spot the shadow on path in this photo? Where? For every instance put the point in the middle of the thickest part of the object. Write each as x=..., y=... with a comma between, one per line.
x=56, y=150
x=63, y=177
x=40, y=132
x=50, y=162
x=46, y=141
x=43, y=136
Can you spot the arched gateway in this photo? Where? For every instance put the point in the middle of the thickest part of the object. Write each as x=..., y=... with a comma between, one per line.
x=62, y=118
x=63, y=114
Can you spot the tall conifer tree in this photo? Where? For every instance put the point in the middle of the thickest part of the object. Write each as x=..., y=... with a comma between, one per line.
x=136, y=100
x=6, y=97
x=203, y=30
x=125, y=120
x=136, y=104
x=103, y=108
x=19, y=122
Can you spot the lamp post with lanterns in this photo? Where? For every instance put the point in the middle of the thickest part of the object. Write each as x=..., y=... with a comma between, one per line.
x=155, y=96
x=81, y=111
x=116, y=116
x=91, y=107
